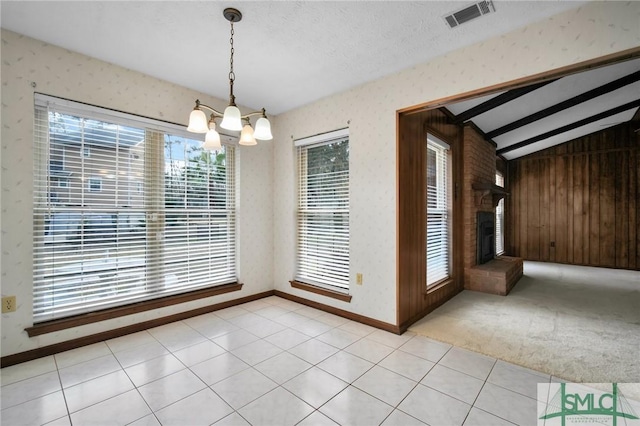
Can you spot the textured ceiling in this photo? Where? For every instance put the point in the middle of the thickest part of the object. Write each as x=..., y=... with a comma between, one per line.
x=287, y=53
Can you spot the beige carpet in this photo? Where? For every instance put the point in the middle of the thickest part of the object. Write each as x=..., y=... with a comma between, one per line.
x=580, y=324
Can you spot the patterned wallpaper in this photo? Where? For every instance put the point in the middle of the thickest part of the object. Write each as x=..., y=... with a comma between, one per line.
x=588, y=32
x=267, y=173
x=58, y=72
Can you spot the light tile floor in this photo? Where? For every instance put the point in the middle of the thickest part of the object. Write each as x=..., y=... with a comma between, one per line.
x=269, y=362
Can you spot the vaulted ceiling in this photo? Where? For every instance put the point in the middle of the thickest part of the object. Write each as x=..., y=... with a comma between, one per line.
x=528, y=119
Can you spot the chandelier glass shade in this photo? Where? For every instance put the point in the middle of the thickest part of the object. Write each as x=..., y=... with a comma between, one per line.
x=212, y=139
x=198, y=121
x=232, y=118
x=247, y=137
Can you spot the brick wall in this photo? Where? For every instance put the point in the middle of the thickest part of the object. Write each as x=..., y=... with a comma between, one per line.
x=479, y=157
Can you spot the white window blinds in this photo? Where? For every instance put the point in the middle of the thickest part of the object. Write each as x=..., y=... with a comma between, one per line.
x=323, y=211
x=500, y=218
x=125, y=209
x=438, y=235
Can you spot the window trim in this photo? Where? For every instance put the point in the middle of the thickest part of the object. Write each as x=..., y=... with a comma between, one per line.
x=325, y=288
x=438, y=285
x=322, y=138
x=203, y=288
x=91, y=181
x=438, y=144
x=500, y=176
x=130, y=309
x=345, y=297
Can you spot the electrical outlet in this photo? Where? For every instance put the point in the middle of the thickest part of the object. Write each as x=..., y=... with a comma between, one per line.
x=359, y=278
x=8, y=304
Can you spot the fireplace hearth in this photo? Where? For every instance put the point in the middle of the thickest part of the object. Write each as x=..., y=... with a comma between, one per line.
x=491, y=274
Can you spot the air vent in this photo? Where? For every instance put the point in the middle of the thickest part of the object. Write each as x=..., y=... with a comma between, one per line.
x=468, y=13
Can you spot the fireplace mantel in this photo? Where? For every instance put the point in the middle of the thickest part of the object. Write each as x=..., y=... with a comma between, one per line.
x=484, y=190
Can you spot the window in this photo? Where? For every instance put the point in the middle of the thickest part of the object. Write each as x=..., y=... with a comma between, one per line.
x=500, y=218
x=86, y=152
x=95, y=184
x=154, y=217
x=323, y=210
x=438, y=211
x=56, y=159
x=61, y=182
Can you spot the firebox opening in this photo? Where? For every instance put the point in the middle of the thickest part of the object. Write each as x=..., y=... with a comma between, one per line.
x=486, y=237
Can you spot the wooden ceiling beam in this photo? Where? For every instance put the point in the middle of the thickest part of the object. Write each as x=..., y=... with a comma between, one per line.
x=583, y=97
x=569, y=127
x=497, y=101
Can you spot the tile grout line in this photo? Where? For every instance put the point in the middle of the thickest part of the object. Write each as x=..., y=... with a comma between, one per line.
x=64, y=395
x=484, y=382
x=331, y=327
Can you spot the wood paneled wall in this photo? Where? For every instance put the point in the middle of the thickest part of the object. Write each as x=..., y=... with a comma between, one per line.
x=413, y=300
x=578, y=202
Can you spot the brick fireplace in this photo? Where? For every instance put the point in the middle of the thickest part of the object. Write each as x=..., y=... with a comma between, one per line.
x=482, y=270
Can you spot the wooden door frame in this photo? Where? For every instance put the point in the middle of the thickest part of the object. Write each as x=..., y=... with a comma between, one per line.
x=412, y=300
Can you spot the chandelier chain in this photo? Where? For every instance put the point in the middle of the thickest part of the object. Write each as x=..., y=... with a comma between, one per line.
x=232, y=75
x=232, y=118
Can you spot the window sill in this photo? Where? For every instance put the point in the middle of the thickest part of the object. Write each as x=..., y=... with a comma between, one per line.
x=437, y=286
x=322, y=291
x=120, y=311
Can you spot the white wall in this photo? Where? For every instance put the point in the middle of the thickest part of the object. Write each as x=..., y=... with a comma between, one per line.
x=267, y=175
x=588, y=32
x=70, y=75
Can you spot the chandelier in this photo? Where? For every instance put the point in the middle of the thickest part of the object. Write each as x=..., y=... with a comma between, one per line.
x=232, y=119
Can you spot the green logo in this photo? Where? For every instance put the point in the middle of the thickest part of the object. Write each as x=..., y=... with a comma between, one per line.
x=584, y=407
